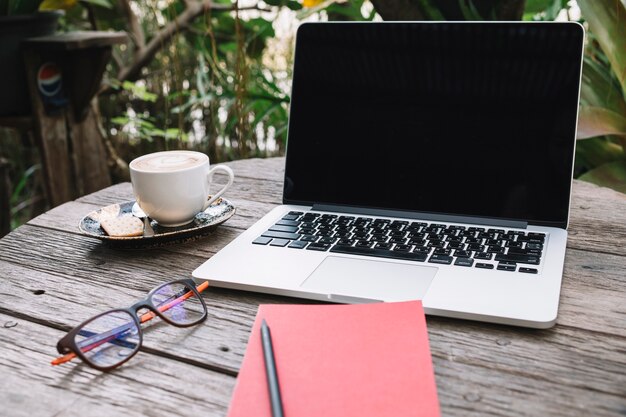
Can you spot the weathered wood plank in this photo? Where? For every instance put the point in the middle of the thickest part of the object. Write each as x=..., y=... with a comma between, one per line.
x=597, y=219
x=554, y=382
x=51, y=135
x=121, y=269
x=89, y=159
x=576, y=368
x=77, y=40
x=5, y=198
x=148, y=385
x=600, y=275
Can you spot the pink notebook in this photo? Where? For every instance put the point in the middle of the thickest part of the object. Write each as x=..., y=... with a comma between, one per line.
x=341, y=360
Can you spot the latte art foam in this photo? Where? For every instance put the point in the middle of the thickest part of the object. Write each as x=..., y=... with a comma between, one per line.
x=168, y=161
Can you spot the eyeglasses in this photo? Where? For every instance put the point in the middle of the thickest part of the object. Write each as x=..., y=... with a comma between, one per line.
x=109, y=339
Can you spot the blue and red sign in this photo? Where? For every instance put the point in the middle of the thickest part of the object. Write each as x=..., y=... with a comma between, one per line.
x=49, y=79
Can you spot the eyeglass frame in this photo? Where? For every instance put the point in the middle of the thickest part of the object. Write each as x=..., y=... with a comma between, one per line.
x=67, y=344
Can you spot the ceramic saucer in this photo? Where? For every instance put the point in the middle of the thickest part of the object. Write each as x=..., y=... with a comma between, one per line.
x=155, y=235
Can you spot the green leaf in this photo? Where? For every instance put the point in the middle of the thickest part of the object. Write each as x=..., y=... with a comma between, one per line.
x=607, y=21
x=594, y=152
x=612, y=175
x=469, y=11
x=139, y=92
x=121, y=120
x=431, y=11
x=22, y=183
x=537, y=6
x=294, y=5
x=102, y=3
x=599, y=88
x=227, y=47
x=596, y=121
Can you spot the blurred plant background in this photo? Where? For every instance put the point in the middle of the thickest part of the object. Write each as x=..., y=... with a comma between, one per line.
x=215, y=76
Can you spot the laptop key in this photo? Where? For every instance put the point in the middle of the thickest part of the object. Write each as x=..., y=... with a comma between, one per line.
x=308, y=238
x=289, y=229
x=435, y=243
x=440, y=259
x=383, y=245
x=421, y=249
x=287, y=223
x=262, y=240
x=279, y=242
x=298, y=244
x=483, y=255
x=520, y=251
x=295, y=213
x=290, y=217
x=281, y=235
x=327, y=240
x=495, y=249
x=483, y=265
x=380, y=253
x=506, y=267
x=528, y=270
x=318, y=246
x=324, y=233
x=522, y=259
x=464, y=262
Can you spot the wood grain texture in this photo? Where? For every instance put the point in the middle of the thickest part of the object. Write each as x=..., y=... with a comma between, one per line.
x=76, y=40
x=568, y=352
x=149, y=385
x=53, y=278
x=51, y=136
x=5, y=198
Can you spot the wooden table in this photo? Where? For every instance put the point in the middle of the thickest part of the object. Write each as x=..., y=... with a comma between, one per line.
x=52, y=278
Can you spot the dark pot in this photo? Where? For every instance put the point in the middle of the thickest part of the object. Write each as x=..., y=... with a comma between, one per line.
x=14, y=99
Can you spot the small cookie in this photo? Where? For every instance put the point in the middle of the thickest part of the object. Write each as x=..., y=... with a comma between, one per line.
x=125, y=226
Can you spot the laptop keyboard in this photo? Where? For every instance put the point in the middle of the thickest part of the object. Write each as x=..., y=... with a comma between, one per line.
x=470, y=247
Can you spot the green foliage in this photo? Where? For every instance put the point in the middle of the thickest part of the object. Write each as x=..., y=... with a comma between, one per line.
x=543, y=10
x=602, y=117
x=209, y=89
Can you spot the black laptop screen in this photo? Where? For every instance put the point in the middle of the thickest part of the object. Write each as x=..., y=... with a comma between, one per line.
x=452, y=118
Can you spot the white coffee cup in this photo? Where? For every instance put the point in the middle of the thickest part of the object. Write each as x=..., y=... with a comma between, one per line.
x=171, y=187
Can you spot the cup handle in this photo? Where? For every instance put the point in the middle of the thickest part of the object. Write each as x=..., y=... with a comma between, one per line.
x=209, y=177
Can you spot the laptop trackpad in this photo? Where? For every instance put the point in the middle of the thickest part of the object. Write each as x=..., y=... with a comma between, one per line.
x=377, y=280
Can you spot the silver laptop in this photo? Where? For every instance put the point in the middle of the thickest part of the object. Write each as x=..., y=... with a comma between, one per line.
x=426, y=161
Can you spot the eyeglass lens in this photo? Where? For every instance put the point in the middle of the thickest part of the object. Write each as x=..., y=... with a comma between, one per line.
x=179, y=303
x=109, y=339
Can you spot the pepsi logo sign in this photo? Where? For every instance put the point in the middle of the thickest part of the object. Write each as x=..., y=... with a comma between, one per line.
x=49, y=79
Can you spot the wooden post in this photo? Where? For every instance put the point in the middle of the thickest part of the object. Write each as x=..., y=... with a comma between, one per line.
x=73, y=155
x=5, y=198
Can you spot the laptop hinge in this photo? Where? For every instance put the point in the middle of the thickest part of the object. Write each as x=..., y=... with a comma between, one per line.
x=448, y=218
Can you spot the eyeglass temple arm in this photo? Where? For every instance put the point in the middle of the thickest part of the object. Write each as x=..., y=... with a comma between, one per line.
x=112, y=334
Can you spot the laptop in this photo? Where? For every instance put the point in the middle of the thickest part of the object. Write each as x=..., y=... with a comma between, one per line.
x=428, y=161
